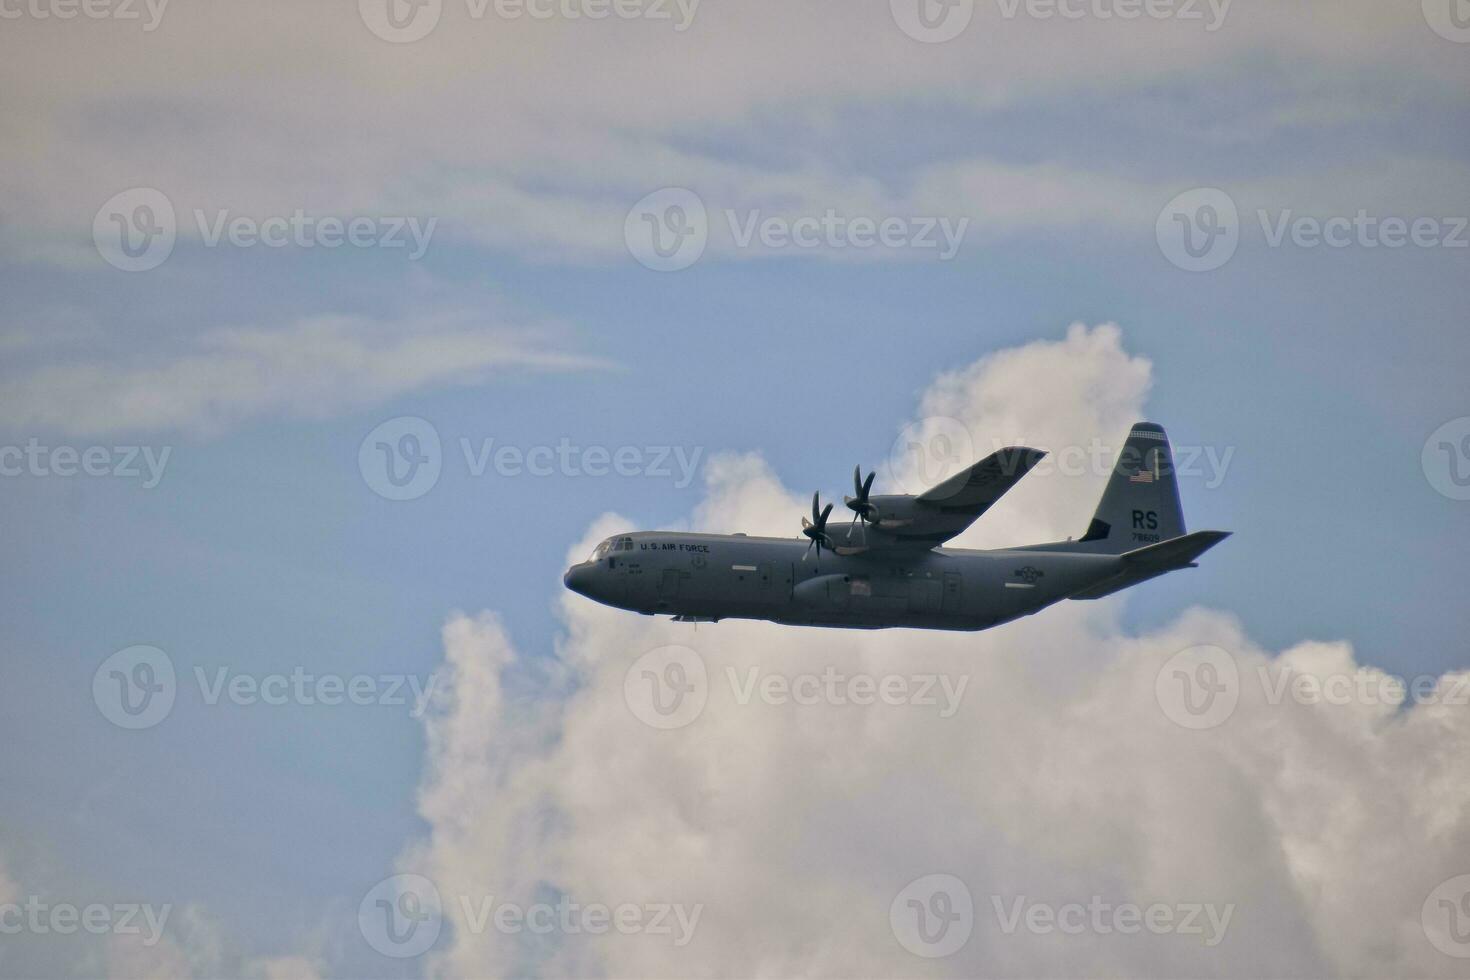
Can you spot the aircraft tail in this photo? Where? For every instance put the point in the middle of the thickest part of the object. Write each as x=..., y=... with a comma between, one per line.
x=1140, y=506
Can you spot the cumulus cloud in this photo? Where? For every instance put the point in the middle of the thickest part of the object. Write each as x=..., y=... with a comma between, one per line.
x=1314, y=830
x=311, y=368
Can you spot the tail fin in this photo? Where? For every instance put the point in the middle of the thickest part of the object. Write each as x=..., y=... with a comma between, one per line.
x=1140, y=506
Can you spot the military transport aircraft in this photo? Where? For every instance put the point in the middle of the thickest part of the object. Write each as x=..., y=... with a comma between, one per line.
x=886, y=568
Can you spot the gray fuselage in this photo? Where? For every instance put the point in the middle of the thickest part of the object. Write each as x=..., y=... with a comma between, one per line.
x=735, y=576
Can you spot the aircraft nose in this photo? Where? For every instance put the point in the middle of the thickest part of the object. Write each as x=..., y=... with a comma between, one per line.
x=579, y=579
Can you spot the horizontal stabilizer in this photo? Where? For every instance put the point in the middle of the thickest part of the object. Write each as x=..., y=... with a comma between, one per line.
x=1155, y=560
x=1176, y=553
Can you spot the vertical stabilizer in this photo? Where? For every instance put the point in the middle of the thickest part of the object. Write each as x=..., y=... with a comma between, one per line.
x=1140, y=506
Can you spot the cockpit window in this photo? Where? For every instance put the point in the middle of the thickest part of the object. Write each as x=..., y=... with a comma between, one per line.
x=612, y=545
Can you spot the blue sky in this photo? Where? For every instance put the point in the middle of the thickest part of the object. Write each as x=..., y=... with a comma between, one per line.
x=264, y=550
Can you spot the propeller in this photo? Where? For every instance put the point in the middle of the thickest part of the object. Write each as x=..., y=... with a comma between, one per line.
x=816, y=528
x=866, y=510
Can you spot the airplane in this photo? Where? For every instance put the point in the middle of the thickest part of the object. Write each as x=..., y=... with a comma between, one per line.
x=888, y=568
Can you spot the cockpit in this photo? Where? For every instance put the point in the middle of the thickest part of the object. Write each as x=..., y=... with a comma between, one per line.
x=612, y=546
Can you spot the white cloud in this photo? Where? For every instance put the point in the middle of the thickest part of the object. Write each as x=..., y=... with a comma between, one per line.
x=537, y=136
x=311, y=368
x=1059, y=778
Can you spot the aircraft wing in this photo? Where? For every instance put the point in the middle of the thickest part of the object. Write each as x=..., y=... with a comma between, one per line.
x=974, y=490
x=945, y=510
